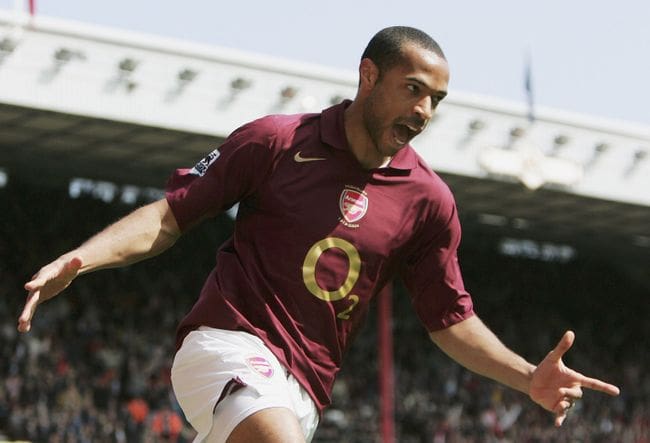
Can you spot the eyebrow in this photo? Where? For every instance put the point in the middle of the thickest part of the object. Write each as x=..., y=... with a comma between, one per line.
x=439, y=94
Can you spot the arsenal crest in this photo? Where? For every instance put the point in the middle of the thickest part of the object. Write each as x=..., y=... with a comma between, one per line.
x=353, y=205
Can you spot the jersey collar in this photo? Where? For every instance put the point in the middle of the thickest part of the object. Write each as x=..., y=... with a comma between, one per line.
x=333, y=134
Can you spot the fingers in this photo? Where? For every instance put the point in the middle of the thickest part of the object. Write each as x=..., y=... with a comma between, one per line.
x=564, y=345
x=574, y=393
x=571, y=394
x=586, y=382
x=562, y=409
x=599, y=385
x=25, y=319
x=567, y=382
x=46, y=274
x=66, y=270
x=45, y=284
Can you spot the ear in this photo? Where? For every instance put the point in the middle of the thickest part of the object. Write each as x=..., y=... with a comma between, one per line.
x=368, y=74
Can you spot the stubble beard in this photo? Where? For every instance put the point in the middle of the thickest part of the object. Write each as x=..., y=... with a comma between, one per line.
x=373, y=125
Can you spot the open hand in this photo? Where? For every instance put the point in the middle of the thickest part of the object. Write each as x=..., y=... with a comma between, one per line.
x=556, y=387
x=45, y=284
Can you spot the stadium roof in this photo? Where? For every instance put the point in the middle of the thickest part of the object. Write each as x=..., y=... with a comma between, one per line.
x=81, y=101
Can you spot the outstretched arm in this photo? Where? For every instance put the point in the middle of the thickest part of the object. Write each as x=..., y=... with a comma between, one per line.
x=143, y=233
x=550, y=384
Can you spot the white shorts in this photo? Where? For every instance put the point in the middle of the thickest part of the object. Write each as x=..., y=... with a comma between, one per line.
x=221, y=377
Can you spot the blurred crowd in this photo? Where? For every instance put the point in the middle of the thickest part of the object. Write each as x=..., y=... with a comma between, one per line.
x=529, y=305
x=96, y=366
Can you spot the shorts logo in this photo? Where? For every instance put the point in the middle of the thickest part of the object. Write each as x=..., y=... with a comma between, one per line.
x=353, y=205
x=261, y=366
x=201, y=167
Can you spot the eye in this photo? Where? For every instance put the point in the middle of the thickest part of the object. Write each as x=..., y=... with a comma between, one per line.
x=415, y=89
x=435, y=100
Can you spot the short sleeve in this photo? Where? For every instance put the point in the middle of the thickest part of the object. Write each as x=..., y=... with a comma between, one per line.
x=225, y=176
x=432, y=273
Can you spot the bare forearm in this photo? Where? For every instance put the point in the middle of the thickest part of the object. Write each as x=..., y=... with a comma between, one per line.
x=475, y=347
x=144, y=233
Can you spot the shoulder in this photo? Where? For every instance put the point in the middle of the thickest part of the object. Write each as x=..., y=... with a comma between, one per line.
x=274, y=129
x=434, y=191
x=281, y=124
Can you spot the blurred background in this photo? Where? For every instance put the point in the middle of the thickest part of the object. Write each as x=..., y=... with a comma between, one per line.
x=544, y=140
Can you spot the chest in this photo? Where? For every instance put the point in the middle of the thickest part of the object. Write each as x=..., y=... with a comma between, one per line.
x=312, y=196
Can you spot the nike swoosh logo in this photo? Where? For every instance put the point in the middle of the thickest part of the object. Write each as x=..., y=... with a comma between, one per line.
x=300, y=159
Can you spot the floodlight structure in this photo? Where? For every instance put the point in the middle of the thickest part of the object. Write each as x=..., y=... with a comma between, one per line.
x=336, y=99
x=121, y=76
x=183, y=78
x=61, y=57
x=237, y=86
x=525, y=161
x=7, y=47
x=637, y=158
x=599, y=149
x=124, y=76
x=288, y=93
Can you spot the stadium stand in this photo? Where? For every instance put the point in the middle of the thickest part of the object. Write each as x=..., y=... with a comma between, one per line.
x=96, y=366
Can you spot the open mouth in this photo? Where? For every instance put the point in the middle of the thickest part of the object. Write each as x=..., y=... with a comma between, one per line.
x=403, y=133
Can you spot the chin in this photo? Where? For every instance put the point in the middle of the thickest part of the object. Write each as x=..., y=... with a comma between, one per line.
x=390, y=151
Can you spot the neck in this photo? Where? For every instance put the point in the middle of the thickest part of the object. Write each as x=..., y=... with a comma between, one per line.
x=361, y=145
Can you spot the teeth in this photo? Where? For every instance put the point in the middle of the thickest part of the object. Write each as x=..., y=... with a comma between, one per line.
x=402, y=135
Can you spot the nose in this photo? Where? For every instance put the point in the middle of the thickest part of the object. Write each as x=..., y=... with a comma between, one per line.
x=424, y=108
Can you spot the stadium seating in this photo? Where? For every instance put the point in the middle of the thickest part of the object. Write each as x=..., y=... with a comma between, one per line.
x=96, y=366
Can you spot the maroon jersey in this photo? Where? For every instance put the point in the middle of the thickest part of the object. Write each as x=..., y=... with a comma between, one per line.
x=316, y=237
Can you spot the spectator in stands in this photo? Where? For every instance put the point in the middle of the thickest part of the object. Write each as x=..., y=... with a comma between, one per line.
x=427, y=405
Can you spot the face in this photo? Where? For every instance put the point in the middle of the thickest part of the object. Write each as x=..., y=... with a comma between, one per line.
x=400, y=104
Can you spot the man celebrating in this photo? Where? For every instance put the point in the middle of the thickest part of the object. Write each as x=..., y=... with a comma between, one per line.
x=332, y=207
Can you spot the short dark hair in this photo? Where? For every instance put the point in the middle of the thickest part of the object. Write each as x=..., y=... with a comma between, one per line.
x=385, y=48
